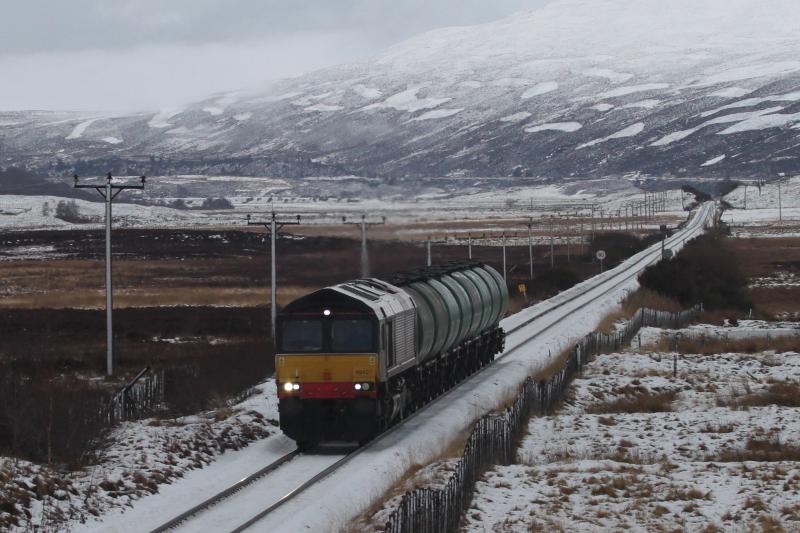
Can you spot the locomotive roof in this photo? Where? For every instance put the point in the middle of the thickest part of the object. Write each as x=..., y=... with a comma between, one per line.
x=381, y=297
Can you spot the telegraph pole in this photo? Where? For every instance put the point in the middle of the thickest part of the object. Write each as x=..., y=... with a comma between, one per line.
x=552, y=244
x=780, y=204
x=364, y=254
x=273, y=226
x=504, y=256
x=428, y=246
x=469, y=245
x=530, y=245
x=745, y=197
x=109, y=192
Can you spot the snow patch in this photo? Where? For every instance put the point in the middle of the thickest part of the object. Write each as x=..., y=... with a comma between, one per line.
x=516, y=117
x=78, y=131
x=632, y=89
x=643, y=104
x=750, y=102
x=730, y=92
x=439, y=113
x=568, y=127
x=714, y=161
x=407, y=101
x=539, y=89
x=763, y=123
x=214, y=111
x=752, y=71
x=471, y=84
x=511, y=82
x=323, y=108
x=112, y=140
x=616, y=77
x=161, y=119
x=243, y=117
x=630, y=131
x=603, y=107
x=370, y=93
x=735, y=117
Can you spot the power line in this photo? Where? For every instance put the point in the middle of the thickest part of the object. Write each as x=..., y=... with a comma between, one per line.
x=109, y=192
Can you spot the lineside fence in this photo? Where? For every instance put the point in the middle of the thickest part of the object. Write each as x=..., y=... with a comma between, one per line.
x=139, y=399
x=496, y=436
x=52, y=419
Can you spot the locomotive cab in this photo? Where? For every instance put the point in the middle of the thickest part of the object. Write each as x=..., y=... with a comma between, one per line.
x=327, y=368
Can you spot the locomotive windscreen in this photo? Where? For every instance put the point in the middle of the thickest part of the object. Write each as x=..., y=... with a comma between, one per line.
x=301, y=335
x=352, y=335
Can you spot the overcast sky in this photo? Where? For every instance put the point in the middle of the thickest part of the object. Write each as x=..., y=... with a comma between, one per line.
x=147, y=54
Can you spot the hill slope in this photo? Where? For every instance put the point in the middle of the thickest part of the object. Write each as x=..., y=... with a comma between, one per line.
x=578, y=88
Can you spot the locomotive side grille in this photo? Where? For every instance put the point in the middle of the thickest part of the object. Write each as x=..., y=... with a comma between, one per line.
x=404, y=335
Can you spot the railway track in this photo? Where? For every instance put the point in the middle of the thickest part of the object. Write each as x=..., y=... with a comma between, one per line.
x=221, y=496
x=302, y=476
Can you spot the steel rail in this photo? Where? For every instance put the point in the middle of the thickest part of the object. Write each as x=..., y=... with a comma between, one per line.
x=697, y=223
x=219, y=497
x=625, y=275
x=650, y=255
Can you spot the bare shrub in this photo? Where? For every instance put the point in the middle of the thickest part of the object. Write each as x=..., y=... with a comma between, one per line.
x=645, y=402
x=717, y=345
x=782, y=393
x=706, y=271
x=641, y=298
x=759, y=449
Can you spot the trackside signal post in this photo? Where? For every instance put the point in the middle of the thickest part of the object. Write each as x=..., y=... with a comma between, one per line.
x=109, y=192
x=273, y=226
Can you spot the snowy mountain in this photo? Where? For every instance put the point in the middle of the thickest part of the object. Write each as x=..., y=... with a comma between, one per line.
x=577, y=88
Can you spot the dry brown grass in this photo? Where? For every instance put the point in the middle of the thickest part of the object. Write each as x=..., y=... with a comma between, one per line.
x=759, y=450
x=635, y=301
x=761, y=257
x=774, y=301
x=782, y=393
x=556, y=364
x=644, y=402
x=716, y=345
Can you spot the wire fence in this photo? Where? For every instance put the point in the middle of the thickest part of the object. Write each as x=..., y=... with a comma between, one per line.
x=138, y=400
x=495, y=436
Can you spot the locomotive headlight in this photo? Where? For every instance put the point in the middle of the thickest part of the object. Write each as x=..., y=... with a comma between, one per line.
x=288, y=386
x=357, y=386
x=295, y=386
x=365, y=386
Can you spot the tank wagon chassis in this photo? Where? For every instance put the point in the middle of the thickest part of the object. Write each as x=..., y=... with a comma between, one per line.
x=355, y=358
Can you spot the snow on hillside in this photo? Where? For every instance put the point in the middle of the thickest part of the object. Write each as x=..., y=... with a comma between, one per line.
x=687, y=81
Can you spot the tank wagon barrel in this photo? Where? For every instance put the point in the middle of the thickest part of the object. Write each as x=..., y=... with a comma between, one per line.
x=356, y=357
x=453, y=303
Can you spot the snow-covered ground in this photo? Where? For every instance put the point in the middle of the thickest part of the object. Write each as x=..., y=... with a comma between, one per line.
x=257, y=198
x=763, y=216
x=419, y=440
x=154, y=465
x=551, y=326
x=715, y=447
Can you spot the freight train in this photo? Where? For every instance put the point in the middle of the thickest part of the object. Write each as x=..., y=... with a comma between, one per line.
x=354, y=358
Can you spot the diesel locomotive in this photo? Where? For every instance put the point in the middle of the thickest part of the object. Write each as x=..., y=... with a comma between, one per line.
x=354, y=358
